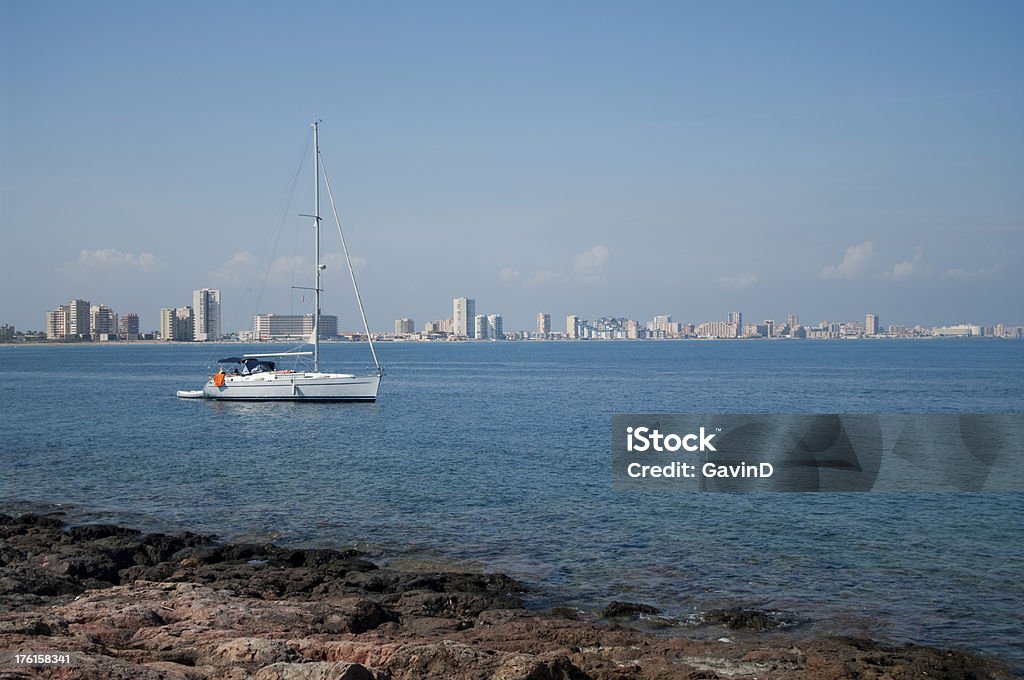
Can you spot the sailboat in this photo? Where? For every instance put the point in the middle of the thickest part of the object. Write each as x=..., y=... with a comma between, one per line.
x=256, y=377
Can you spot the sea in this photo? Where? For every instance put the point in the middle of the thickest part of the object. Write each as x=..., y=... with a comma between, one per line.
x=496, y=456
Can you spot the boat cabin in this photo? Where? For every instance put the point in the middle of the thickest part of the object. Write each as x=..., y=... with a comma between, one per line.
x=246, y=365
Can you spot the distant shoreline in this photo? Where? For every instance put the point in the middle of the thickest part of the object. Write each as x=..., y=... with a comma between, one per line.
x=472, y=341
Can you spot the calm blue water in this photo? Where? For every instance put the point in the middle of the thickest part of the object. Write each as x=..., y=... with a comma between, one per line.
x=497, y=455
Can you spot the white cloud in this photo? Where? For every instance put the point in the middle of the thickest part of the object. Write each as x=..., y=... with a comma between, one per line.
x=109, y=258
x=912, y=268
x=289, y=265
x=238, y=269
x=336, y=262
x=855, y=260
x=243, y=266
x=739, y=281
x=544, y=277
x=588, y=266
x=960, y=274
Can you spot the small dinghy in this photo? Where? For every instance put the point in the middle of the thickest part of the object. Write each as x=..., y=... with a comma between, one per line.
x=191, y=394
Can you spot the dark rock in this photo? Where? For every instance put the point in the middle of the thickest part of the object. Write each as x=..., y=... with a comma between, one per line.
x=625, y=609
x=444, y=605
x=94, y=532
x=89, y=565
x=369, y=615
x=32, y=520
x=156, y=548
x=322, y=558
x=374, y=582
x=747, y=619
x=160, y=572
x=30, y=626
x=37, y=581
x=215, y=554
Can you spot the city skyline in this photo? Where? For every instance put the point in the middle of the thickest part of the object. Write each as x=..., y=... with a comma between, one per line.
x=594, y=159
x=79, y=319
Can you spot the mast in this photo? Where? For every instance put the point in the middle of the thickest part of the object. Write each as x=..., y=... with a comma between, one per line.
x=316, y=245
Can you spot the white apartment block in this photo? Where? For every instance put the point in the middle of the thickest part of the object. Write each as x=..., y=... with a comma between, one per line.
x=206, y=307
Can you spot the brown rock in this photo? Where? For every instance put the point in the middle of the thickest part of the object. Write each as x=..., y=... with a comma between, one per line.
x=317, y=670
x=251, y=650
x=233, y=612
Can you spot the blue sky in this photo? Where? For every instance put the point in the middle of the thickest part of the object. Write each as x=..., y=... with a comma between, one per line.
x=825, y=159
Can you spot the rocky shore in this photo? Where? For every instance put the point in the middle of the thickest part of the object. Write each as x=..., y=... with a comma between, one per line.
x=124, y=604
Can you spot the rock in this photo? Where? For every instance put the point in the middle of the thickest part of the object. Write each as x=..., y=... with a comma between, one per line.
x=317, y=670
x=368, y=615
x=93, y=532
x=132, y=605
x=626, y=609
x=747, y=619
x=444, y=659
x=524, y=667
x=252, y=650
x=21, y=580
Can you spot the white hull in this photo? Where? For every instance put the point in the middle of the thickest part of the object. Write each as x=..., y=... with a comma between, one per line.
x=289, y=386
x=191, y=394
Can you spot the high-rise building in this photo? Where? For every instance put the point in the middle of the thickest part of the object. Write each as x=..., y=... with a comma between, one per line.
x=960, y=329
x=480, y=327
x=792, y=321
x=572, y=326
x=167, y=323
x=663, y=324
x=177, y=324
x=463, y=315
x=293, y=326
x=544, y=324
x=57, y=323
x=102, y=322
x=404, y=326
x=871, y=324
x=495, y=329
x=78, y=319
x=769, y=328
x=438, y=326
x=736, y=318
x=718, y=329
x=129, y=326
x=69, y=322
x=206, y=305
